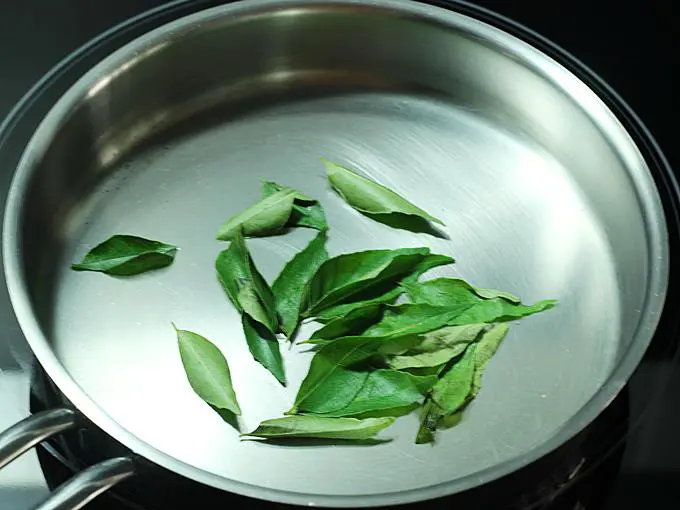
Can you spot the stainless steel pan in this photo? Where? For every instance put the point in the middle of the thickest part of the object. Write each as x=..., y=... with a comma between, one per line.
x=541, y=187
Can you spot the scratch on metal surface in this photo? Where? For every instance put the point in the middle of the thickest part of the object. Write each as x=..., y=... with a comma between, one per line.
x=169, y=288
x=411, y=457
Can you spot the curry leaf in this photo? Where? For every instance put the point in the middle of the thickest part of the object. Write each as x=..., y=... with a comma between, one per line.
x=369, y=197
x=264, y=347
x=448, y=337
x=497, y=310
x=338, y=312
x=438, y=347
x=388, y=296
x=125, y=255
x=289, y=285
x=414, y=319
x=236, y=271
x=460, y=385
x=484, y=351
x=252, y=305
x=333, y=357
x=265, y=217
x=306, y=212
x=340, y=279
x=331, y=394
x=382, y=390
x=452, y=390
x=269, y=188
x=354, y=323
x=430, y=262
x=328, y=362
x=453, y=292
x=207, y=371
x=449, y=394
x=311, y=216
x=429, y=417
x=441, y=292
x=426, y=359
x=321, y=427
x=492, y=293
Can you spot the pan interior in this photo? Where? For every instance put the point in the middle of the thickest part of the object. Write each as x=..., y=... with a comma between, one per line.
x=526, y=168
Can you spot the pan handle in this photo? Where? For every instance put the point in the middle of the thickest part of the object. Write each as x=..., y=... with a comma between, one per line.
x=33, y=430
x=82, y=488
x=88, y=484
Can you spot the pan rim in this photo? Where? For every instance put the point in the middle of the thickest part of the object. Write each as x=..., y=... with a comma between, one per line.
x=657, y=246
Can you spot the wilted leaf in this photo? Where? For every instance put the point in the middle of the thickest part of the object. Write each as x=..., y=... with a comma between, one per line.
x=369, y=197
x=265, y=217
x=448, y=395
x=306, y=212
x=321, y=427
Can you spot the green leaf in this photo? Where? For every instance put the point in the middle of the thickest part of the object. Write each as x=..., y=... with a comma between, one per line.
x=452, y=390
x=311, y=216
x=265, y=217
x=207, y=371
x=451, y=292
x=382, y=390
x=425, y=371
x=240, y=279
x=460, y=385
x=342, y=278
x=124, y=255
x=369, y=197
x=414, y=319
x=389, y=296
x=354, y=323
x=492, y=293
x=328, y=362
x=448, y=337
x=484, y=351
x=499, y=310
x=332, y=393
x=289, y=286
x=252, y=305
x=321, y=427
x=429, y=417
x=340, y=311
x=264, y=347
x=378, y=392
x=425, y=359
x=441, y=292
x=438, y=347
x=306, y=212
x=269, y=188
x=405, y=320
x=449, y=394
x=430, y=262
x=340, y=353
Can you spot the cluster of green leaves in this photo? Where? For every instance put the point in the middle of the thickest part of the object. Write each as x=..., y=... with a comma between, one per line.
x=374, y=359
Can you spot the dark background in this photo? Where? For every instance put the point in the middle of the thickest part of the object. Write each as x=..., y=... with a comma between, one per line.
x=633, y=46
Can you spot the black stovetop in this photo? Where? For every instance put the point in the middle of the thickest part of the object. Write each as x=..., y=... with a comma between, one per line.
x=629, y=45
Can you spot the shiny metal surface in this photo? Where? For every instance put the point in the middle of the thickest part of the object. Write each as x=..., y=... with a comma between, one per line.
x=83, y=487
x=542, y=191
x=88, y=484
x=33, y=430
